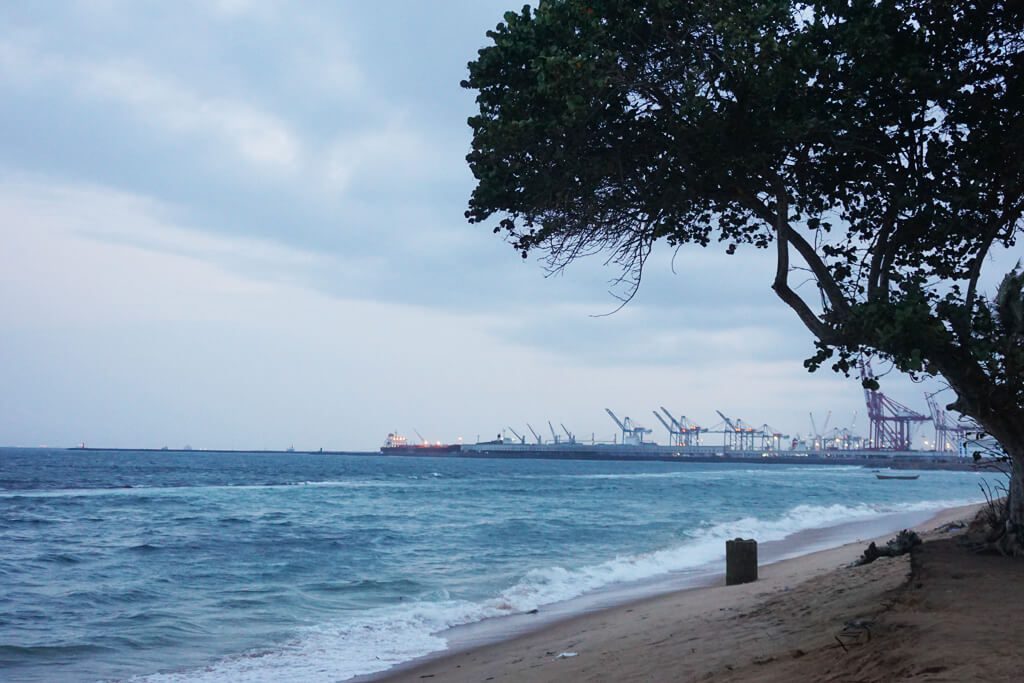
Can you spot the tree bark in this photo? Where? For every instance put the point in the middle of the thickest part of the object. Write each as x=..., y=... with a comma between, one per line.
x=1015, y=502
x=1007, y=427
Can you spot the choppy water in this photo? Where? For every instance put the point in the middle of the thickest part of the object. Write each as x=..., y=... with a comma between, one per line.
x=259, y=567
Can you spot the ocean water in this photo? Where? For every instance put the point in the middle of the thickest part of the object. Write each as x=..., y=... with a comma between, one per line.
x=315, y=567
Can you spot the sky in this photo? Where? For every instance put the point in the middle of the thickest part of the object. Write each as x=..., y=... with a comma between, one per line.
x=239, y=224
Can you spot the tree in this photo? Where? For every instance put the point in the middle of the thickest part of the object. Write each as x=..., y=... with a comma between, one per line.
x=876, y=144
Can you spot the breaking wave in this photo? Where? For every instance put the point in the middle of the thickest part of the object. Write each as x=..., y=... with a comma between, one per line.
x=380, y=638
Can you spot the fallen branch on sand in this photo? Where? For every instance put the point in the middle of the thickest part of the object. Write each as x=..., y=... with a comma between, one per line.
x=900, y=545
x=853, y=630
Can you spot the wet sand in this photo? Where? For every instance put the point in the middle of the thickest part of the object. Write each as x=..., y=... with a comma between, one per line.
x=808, y=618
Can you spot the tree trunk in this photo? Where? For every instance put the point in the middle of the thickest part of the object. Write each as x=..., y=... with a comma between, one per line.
x=1010, y=436
x=1014, y=543
x=998, y=411
x=1005, y=423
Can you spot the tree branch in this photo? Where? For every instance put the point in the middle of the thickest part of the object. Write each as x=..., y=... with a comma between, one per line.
x=964, y=328
x=785, y=232
x=875, y=290
x=781, y=283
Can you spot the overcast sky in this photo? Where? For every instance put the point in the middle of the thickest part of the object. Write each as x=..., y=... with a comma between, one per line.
x=240, y=224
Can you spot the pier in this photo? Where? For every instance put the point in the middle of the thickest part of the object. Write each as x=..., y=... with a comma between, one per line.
x=712, y=454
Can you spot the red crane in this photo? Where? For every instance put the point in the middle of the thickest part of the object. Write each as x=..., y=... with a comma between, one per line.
x=949, y=436
x=889, y=422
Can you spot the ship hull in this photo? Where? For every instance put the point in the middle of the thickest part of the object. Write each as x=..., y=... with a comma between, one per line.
x=413, y=449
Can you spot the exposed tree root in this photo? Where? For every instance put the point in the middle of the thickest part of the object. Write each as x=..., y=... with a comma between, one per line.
x=991, y=531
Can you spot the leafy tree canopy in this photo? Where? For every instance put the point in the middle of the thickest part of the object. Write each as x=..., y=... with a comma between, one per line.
x=877, y=144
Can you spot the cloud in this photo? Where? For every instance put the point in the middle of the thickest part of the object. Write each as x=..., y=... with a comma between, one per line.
x=234, y=7
x=255, y=136
x=383, y=149
x=651, y=336
x=388, y=155
x=134, y=329
x=91, y=253
x=237, y=224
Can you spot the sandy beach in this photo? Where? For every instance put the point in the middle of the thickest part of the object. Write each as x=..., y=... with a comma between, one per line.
x=813, y=617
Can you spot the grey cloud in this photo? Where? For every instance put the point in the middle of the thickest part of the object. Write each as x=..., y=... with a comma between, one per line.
x=173, y=103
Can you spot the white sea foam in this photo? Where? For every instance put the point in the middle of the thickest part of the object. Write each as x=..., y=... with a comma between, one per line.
x=333, y=652
x=349, y=484
x=381, y=638
x=545, y=586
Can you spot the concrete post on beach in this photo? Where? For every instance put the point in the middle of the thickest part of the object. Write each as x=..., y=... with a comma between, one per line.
x=740, y=561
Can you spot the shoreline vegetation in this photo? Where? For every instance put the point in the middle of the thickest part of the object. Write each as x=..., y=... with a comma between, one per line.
x=929, y=615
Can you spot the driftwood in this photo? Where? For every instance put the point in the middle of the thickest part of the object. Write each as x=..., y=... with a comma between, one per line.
x=853, y=630
x=900, y=545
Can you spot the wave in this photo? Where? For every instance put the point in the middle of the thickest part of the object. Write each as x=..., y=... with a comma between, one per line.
x=705, y=545
x=143, y=548
x=18, y=654
x=382, y=637
x=142, y=490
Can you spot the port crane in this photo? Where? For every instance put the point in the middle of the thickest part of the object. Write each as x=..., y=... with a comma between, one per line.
x=554, y=435
x=522, y=439
x=819, y=437
x=844, y=439
x=631, y=433
x=890, y=422
x=771, y=438
x=673, y=435
x=949, y=436
x=850, y=439
x=572, y=437
x=535, y=434
x=738, y=434
x=682, y=432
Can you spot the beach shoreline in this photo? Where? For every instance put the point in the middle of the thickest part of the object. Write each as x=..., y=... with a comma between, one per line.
x=567, y=645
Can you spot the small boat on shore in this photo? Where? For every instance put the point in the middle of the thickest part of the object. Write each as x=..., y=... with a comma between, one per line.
x=897, y=476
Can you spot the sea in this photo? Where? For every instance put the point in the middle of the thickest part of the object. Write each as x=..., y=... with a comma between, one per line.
x=198, y=566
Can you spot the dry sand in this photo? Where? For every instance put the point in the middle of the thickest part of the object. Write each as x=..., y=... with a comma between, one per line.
x=953, y=616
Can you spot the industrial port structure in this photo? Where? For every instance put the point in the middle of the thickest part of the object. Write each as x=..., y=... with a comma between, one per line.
x=891, y=426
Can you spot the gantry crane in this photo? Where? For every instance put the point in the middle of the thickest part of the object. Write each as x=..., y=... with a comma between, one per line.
x=949, y=436
x=771, y=438
x=818, y=441
x=674, y=438
x=687, y=432
x=890, y=422
x=631, y=433
x=741, y=435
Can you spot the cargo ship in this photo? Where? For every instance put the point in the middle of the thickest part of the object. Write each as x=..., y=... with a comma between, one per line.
x=396, y=444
